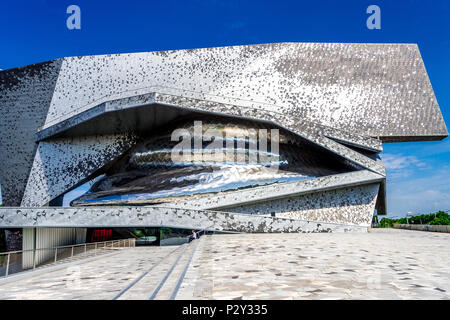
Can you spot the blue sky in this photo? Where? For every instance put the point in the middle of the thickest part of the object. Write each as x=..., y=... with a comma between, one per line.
x=418, y=173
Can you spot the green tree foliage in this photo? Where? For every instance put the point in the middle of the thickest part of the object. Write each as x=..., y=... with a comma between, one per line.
x=437, y=218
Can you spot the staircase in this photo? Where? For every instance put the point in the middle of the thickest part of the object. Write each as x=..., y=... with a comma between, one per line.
x=162, y=280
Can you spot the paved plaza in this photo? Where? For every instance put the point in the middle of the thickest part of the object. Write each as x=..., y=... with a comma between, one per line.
x=381, y=264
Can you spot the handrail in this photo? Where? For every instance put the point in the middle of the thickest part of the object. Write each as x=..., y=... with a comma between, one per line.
x=53, y=257
x=67, y=246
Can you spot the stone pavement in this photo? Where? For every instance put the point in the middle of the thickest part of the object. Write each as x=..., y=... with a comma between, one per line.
x=381, y=264
x=100, y=279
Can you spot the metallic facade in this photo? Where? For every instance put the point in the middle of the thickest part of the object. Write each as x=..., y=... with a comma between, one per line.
x=70, y=120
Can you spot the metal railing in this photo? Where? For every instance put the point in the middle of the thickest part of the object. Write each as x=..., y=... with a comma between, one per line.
x=17, y=261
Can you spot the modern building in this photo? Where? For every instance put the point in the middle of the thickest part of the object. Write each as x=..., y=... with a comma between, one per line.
x=281, y=137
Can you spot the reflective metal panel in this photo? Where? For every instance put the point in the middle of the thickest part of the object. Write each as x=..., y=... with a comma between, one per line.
x=201, y=156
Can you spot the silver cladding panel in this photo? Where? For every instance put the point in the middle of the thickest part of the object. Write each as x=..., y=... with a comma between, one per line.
x=160, y=216
x=313, y=132
x=264, y=195
x=354, y=205
x=62, y=164
x=381, y=90
x=157, y=100
x=25, y=96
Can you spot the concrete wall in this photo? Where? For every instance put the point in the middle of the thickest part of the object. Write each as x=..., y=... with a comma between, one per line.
x=423, y=227
x=43, y=238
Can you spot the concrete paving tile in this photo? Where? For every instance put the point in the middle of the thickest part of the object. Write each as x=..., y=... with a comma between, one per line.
x=382, y=264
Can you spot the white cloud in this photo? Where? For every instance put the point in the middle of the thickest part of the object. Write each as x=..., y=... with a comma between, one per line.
x=399, y=161
x=400, y=166
x=419, y=194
